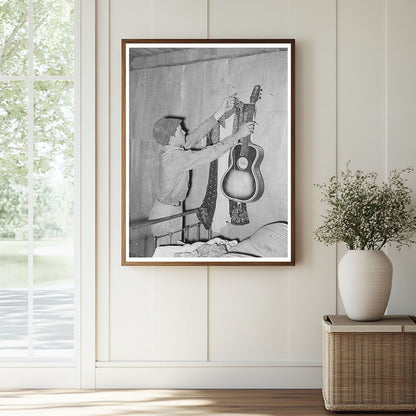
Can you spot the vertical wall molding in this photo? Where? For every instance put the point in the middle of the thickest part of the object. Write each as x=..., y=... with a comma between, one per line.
x=387, y=48
x=207, y=268
x=88, y=189
x=208, y=21
x=336, y=145
x=208, y=310
x=103, y=179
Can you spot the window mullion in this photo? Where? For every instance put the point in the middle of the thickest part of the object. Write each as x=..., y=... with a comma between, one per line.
x=30, y=177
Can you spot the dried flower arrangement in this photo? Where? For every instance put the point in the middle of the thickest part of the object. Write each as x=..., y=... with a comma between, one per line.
x=366, y=215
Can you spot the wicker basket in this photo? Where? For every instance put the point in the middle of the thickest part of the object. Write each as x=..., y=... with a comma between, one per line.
x=369, y=366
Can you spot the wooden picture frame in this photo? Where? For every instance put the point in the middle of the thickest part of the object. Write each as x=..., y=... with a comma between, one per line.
x=196, y=188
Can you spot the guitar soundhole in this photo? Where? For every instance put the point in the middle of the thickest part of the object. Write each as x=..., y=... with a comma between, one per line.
x=242, y=163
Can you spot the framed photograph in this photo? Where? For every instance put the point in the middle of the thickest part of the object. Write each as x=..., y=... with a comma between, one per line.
x=208, y=133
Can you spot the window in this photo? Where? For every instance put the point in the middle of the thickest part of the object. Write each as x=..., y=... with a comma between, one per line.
x=38, y=185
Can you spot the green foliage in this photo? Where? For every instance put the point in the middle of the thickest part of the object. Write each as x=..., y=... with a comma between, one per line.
x=13, y=159
x=53, y=37
x=366, y=215
x=53, y=208
x=13, y=208
x=13, y=129
x=13, y=37
x=53, y=119
x=54, y=127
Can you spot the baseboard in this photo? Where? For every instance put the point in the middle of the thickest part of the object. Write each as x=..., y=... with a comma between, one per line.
x=210, y=377
x=170, y=375
x=39, y=378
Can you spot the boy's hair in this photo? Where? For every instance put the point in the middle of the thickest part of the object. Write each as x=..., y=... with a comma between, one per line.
x=164, y=128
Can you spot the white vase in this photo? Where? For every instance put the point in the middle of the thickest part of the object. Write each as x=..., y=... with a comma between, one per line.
x=364, y=278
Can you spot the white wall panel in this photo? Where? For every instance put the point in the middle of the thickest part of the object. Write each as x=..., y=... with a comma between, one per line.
x=178, y=19
x=132, y=316
x=248, y=314
x=361, y=84
x=355, y=87
x=401, y=142
x=156, y=313
x=132, y=19
x=312, y=284
x=180, y=308
x=315, y=159
x=243, y=19
x=361, y=90
x=160, y=316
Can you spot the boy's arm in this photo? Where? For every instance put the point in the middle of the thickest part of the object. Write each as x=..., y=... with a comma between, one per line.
x=192, y=159
x=200, y=132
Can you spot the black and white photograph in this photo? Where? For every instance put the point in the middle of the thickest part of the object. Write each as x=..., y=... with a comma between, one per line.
x=208, y=152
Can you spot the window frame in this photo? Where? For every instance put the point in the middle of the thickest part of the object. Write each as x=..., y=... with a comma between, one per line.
x=81, y=371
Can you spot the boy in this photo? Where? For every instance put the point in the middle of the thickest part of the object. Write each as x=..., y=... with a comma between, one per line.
x=176, y=160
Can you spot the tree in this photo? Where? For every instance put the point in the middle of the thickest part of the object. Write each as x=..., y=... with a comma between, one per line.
x=13, y=209
x=13, y=37
x=53, y=118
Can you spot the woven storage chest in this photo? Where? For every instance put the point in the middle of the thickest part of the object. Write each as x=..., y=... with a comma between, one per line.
x=369, y=366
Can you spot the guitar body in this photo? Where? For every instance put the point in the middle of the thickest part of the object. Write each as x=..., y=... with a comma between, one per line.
x=243, y=182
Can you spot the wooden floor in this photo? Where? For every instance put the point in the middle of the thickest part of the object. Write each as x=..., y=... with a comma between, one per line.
x=165, y=402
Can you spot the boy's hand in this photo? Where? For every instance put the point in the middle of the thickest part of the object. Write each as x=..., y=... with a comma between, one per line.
x=229, y=103
x=246, y=129
x=226, y=105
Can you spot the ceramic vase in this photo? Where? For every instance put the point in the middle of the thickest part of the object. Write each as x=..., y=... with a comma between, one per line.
x=364, y=278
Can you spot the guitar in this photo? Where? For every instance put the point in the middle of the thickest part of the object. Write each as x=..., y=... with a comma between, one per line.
x=243, y=182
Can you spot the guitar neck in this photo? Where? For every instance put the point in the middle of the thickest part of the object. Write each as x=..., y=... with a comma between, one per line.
x=249, y=111
x=248, y=115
